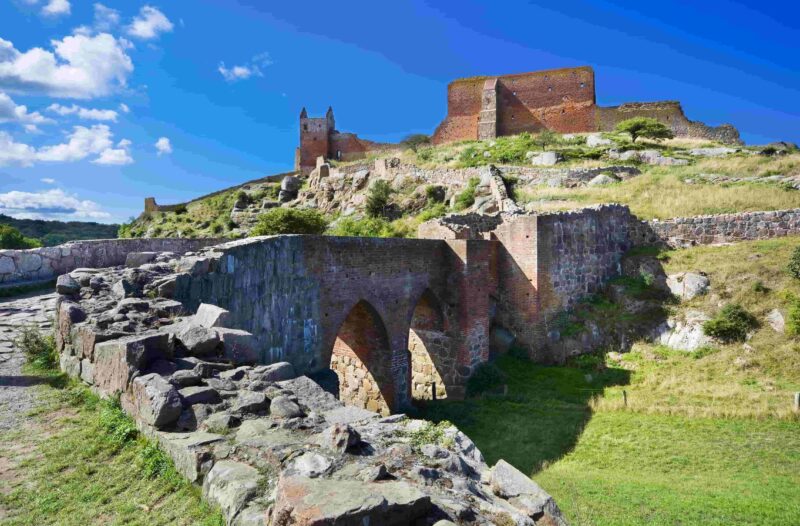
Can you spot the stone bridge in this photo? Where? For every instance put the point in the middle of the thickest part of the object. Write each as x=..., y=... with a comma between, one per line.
x=396, y=319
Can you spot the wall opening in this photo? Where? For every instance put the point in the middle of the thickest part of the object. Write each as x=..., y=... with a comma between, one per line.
x=362, y=360
x=432, y=355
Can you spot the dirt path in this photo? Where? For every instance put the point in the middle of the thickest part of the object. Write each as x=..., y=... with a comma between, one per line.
x=17, y=390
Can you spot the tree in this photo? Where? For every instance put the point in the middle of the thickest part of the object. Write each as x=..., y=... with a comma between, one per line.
x=415, y=140
x=644, y=127
x=12, y=238
x=378, y=198
x=290, y=221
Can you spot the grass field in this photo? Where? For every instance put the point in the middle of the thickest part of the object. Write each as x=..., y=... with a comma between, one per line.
x=79, y=461
x=706, y=438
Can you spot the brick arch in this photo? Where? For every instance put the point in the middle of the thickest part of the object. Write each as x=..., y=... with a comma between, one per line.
x=361, y=357
x=432, y=353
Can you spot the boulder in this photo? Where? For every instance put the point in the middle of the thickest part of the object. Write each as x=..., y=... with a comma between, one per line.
x=66, y=284
x=523, y=493
x=124, y=289
x=198, y=340
x=220, y=422
x=230, y=485
x=239, y=346
x=137, y=259
x=687, y=285
x=211, y=316
x=593, y=140
x=250, y=402
x=712, y=152
x=546, y=159
x=304, y=500
x=309, y=464
x=601, y=180
x=199, y=394
x=87, y=371
x=275, y=372
x=153, y=400
x=339, y=438
x=185, y=378
x=776, y=321
x=71, y=365
x=284, y=407
x=117, y=361
x=684, y=334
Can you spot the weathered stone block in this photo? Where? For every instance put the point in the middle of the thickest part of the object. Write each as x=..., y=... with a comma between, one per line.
x=231, y=485
x=152, y=400
x=211, y=316
x=71, y=365
x=116, y=361
x=239, y=346
x=87, y=371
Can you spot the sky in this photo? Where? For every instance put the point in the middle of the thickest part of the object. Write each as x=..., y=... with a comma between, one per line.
x=104, y=104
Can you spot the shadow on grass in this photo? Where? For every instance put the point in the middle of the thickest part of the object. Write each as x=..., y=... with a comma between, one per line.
x=538, y=421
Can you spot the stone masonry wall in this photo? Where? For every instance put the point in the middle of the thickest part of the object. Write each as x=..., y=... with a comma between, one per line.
x=725, y=228
x=18, y=266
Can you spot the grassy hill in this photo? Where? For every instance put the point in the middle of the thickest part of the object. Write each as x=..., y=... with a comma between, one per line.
x=755, y=178
x=657, y=436
x=51, y=233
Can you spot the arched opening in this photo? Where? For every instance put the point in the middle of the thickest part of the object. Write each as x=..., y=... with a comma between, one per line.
x=432, y=356
x=362, y=360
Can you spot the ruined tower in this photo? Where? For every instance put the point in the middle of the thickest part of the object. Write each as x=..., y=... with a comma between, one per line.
x=315, y=139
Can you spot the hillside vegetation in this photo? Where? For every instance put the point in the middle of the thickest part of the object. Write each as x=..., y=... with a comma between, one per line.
x=51, y=233
x=657, y=436
x=754, y=178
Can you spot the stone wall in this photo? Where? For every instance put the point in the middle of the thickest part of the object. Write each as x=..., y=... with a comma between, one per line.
x=49, y=262
x=671, y=114
x=725, y=228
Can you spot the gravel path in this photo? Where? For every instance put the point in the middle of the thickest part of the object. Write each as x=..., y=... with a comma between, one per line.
x=17, y=393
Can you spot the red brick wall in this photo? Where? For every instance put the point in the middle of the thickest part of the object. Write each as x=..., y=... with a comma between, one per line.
x=562, y=100
x=313, y=142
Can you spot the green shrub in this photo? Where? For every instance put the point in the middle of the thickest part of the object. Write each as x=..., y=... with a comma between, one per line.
x=39, y=349
x=181, y=209
x=12, y=238
x=366, y=227
x=731, y=324
x=153, y=461
x=793, y=318
x=466, y=198
x=437, y=210
x=378, y=199
x=415, y=140
x=520, y=353
x=434, y=193
x=430, y=433
x=289, y=221
x=425, y=154
x=595, y=361
x=487, y=376
x=217, y=228
x=760, y=288
x=794, y=263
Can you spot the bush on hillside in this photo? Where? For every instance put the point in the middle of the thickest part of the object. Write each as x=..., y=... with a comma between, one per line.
x=12, y=238
x=181, y=209
x=644, y=127
x=794, y=263
x=378, y=199
x=289, y=221
x=39, y=350
x=414, y=141
x=366, y=227
x=466, y=198
x=731, y=324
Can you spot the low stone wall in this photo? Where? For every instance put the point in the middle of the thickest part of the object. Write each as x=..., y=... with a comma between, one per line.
x=36, y=264
x=725, y=228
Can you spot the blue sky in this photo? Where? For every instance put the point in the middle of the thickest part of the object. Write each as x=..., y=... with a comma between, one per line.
x=104, y=104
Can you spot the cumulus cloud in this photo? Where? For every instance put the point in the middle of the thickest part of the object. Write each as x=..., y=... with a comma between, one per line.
x=243, y=72
x=105, y=18
x=80, y=144
x=118, y=156
x=163, y=146
x=56, y=8
x=149, y=24
x=124, y=108
x=80, y=66
x=49, y=204
x=11, y=112
x=91, y=114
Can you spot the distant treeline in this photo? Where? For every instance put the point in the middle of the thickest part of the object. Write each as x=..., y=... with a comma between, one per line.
x=51, y=233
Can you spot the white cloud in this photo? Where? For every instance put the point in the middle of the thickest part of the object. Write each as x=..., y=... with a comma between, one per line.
x=149, y=24
x=49, y=204
x=56, y=8
x=11, y=112
x=245, y=71
x=105, y=18
x=91, y=114
x=124, y=108
x=118, y=156
x=80, y=144
x=48, y=180
x=163, y=146
x=80, y=66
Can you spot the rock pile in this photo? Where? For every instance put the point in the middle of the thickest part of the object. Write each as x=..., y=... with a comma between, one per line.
x=269, y=447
